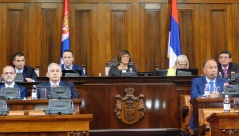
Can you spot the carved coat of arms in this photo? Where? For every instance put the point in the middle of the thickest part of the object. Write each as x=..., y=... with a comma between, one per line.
x=129, y=109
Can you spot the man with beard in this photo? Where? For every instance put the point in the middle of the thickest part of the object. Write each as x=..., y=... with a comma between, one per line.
x=9, y=75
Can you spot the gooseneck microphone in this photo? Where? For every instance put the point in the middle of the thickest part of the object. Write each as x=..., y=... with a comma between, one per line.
x=76, y=72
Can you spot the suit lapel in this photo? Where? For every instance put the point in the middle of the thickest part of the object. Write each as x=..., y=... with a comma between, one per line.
x=204, y=80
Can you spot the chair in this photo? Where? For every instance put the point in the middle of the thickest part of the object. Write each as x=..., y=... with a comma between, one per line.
x=186, y=111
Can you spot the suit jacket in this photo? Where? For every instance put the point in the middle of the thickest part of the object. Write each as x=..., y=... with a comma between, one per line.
x=232, y=67
x=29, y=72
x=197, y=89
x=23, y=90
x=114, y=71
x=47, y=85
x=75, y=67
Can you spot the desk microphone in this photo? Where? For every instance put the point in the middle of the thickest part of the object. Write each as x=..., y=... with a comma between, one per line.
x=76, y=72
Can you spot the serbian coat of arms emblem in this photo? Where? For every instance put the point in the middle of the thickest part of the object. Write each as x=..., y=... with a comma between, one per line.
x=129, y=109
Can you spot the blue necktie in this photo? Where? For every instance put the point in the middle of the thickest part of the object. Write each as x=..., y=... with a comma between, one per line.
x=211, y=86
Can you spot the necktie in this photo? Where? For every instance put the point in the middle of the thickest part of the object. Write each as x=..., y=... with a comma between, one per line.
x=225, y=72
x=211, y=86
x=55, y=84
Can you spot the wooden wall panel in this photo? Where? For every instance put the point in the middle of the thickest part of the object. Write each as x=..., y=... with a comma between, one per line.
x=83, y=31
x=118, y=27
x=100, y=28
x=219, y=28
x=49, y=34
x=16, y=29
x=188, y=34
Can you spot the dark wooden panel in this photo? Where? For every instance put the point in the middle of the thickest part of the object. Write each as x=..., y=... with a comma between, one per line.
x=17, y=29
x=118, y=16
x=187, y=33
x=219, y=28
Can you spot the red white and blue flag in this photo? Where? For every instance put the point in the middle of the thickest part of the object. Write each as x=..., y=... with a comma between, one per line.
x=65, y=40
x=174, y=47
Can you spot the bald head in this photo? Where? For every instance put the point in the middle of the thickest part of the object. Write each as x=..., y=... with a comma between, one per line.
x=210, y=68
x=8, y=74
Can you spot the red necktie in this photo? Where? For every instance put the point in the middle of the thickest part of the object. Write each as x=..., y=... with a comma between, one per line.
x=225, y=72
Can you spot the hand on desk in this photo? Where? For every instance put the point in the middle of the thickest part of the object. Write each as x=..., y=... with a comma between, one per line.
x=214, y=94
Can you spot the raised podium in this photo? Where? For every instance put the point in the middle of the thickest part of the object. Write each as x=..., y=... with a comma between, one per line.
x=224, y=124
x=200, y=103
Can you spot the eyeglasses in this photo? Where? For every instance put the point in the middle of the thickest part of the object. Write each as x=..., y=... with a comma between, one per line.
x=224, y=58
x=125, y=56
x=7, y=73
x=182, y=64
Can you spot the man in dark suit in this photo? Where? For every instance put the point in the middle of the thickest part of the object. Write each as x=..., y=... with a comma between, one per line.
x=225, y=65
x=28, y=72
x=54, y=74
x=9, y=76
x=210, y=77
x=68, y=59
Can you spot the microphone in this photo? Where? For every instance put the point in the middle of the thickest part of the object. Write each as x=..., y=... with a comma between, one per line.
x=214, y=75
x=76, y=72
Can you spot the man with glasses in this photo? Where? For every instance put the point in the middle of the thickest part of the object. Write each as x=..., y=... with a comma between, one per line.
x=225, y=65
x=9, y=75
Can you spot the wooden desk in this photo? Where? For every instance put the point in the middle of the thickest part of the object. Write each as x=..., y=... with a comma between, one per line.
x=200, y=103
x=58, y=125
x=224, y=124
x=39, y=104
x=161, y=98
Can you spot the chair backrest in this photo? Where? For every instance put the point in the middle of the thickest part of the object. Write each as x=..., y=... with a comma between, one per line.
x=186, y=108
x=114, y=62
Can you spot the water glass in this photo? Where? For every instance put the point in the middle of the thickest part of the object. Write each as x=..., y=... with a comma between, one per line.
x=43, y=93
x=236, y=103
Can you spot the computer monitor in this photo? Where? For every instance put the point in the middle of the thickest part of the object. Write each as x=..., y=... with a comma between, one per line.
x=231, y=91
x=71, y=73
x=10, y=93
x=60, y=92
x=128, y=74
x=145, y=73
x=194, y=71
x=234, y=76
x=19, y=77
x=162, y=72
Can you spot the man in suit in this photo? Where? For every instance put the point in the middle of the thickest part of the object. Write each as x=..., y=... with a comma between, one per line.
x=9, y=75
x=28, y=72
x=68, y=59
x=54, y=74
x=210, y=77
x=225, y=65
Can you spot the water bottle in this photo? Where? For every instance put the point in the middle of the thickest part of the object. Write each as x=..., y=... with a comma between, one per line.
x=226, y=104
x=206, y=90
x=34, y=92
x=219, y=74
x=130, y=70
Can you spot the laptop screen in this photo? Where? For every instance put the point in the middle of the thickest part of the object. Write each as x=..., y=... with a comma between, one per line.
x=194, y=71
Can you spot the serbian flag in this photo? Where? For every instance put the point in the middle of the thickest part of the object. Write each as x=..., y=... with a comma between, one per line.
x=65, y=39
x=174, y=47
